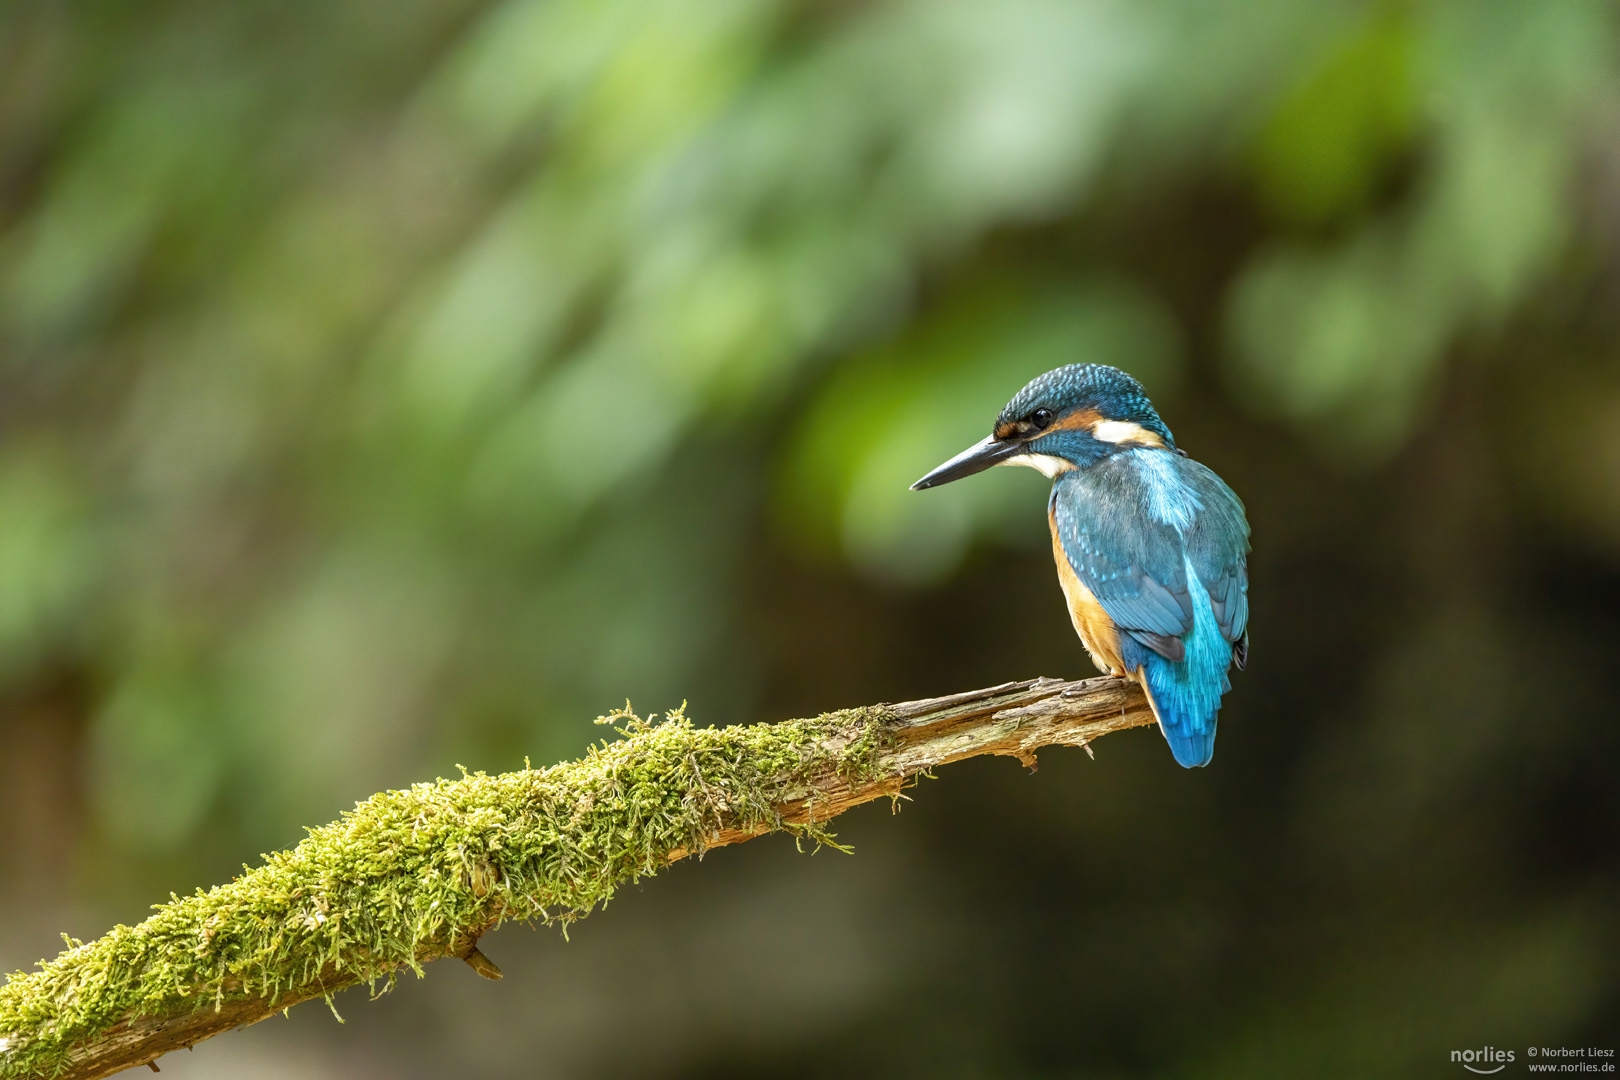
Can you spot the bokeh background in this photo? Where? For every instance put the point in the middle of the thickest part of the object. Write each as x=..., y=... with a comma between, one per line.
x=387, y=387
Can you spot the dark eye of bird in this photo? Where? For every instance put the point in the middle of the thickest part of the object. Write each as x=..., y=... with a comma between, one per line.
x=1041, y=418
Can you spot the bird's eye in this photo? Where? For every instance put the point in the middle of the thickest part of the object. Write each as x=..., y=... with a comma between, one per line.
x=1041, y=418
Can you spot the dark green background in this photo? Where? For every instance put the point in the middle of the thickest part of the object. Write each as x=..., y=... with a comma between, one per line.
x=386, y=387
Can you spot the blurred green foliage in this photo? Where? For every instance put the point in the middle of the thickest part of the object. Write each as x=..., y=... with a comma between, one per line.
x=387, y=386
x=332, y=351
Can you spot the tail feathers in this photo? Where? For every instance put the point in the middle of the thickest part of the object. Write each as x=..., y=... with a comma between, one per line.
x=1191, y=736
x=1186, y=695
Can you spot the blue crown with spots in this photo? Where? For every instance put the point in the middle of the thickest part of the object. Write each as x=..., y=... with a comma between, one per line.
x=1112, y=393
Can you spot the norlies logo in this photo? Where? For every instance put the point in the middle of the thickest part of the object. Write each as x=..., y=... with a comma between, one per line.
x=1481, y=1060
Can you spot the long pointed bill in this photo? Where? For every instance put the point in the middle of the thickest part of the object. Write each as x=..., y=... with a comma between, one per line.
x=976, y=458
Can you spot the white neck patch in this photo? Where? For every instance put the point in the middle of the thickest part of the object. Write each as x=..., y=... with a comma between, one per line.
x=1122, y=431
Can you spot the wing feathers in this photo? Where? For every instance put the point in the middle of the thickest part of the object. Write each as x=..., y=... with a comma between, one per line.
x=1136, y=563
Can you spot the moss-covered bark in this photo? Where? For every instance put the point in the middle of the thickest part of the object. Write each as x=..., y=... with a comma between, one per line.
x=411, y=876
x=408, y=876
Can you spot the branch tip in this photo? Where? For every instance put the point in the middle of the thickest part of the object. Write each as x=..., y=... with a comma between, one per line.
x=482, y=964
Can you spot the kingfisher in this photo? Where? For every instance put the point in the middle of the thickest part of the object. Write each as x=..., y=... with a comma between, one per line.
x=1151, y=546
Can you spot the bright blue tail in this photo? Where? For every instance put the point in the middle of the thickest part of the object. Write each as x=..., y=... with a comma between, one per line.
x=1186, y=694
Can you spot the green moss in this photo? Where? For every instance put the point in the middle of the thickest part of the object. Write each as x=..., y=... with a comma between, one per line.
x=408, y=876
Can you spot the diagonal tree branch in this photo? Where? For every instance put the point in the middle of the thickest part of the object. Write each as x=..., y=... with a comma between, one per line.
x=411, y=876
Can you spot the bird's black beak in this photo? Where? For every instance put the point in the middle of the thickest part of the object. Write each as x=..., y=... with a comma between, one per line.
x=976, y=458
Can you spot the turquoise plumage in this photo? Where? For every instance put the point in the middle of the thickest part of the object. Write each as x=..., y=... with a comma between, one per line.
x=1186, y=694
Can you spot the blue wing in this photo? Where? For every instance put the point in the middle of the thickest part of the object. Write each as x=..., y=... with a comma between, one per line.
x=1162, y=543
x=1130, y=526
x=1218, y=548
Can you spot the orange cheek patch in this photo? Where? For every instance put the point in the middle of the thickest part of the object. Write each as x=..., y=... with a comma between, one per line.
x=1079, y=420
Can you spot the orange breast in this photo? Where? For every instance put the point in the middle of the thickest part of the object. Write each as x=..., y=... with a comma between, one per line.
x=1091, y=622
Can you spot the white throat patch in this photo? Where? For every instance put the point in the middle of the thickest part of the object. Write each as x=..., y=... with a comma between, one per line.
x=1049, y=465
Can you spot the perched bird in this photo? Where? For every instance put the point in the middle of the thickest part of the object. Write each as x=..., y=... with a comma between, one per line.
x=1151, y=546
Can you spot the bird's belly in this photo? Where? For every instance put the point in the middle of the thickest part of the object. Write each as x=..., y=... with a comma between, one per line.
x=1097, y=631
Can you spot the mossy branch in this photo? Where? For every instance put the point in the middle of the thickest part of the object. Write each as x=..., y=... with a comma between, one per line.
x=411, y=876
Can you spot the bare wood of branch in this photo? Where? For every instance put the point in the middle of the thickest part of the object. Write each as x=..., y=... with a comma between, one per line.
x=911, y=738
